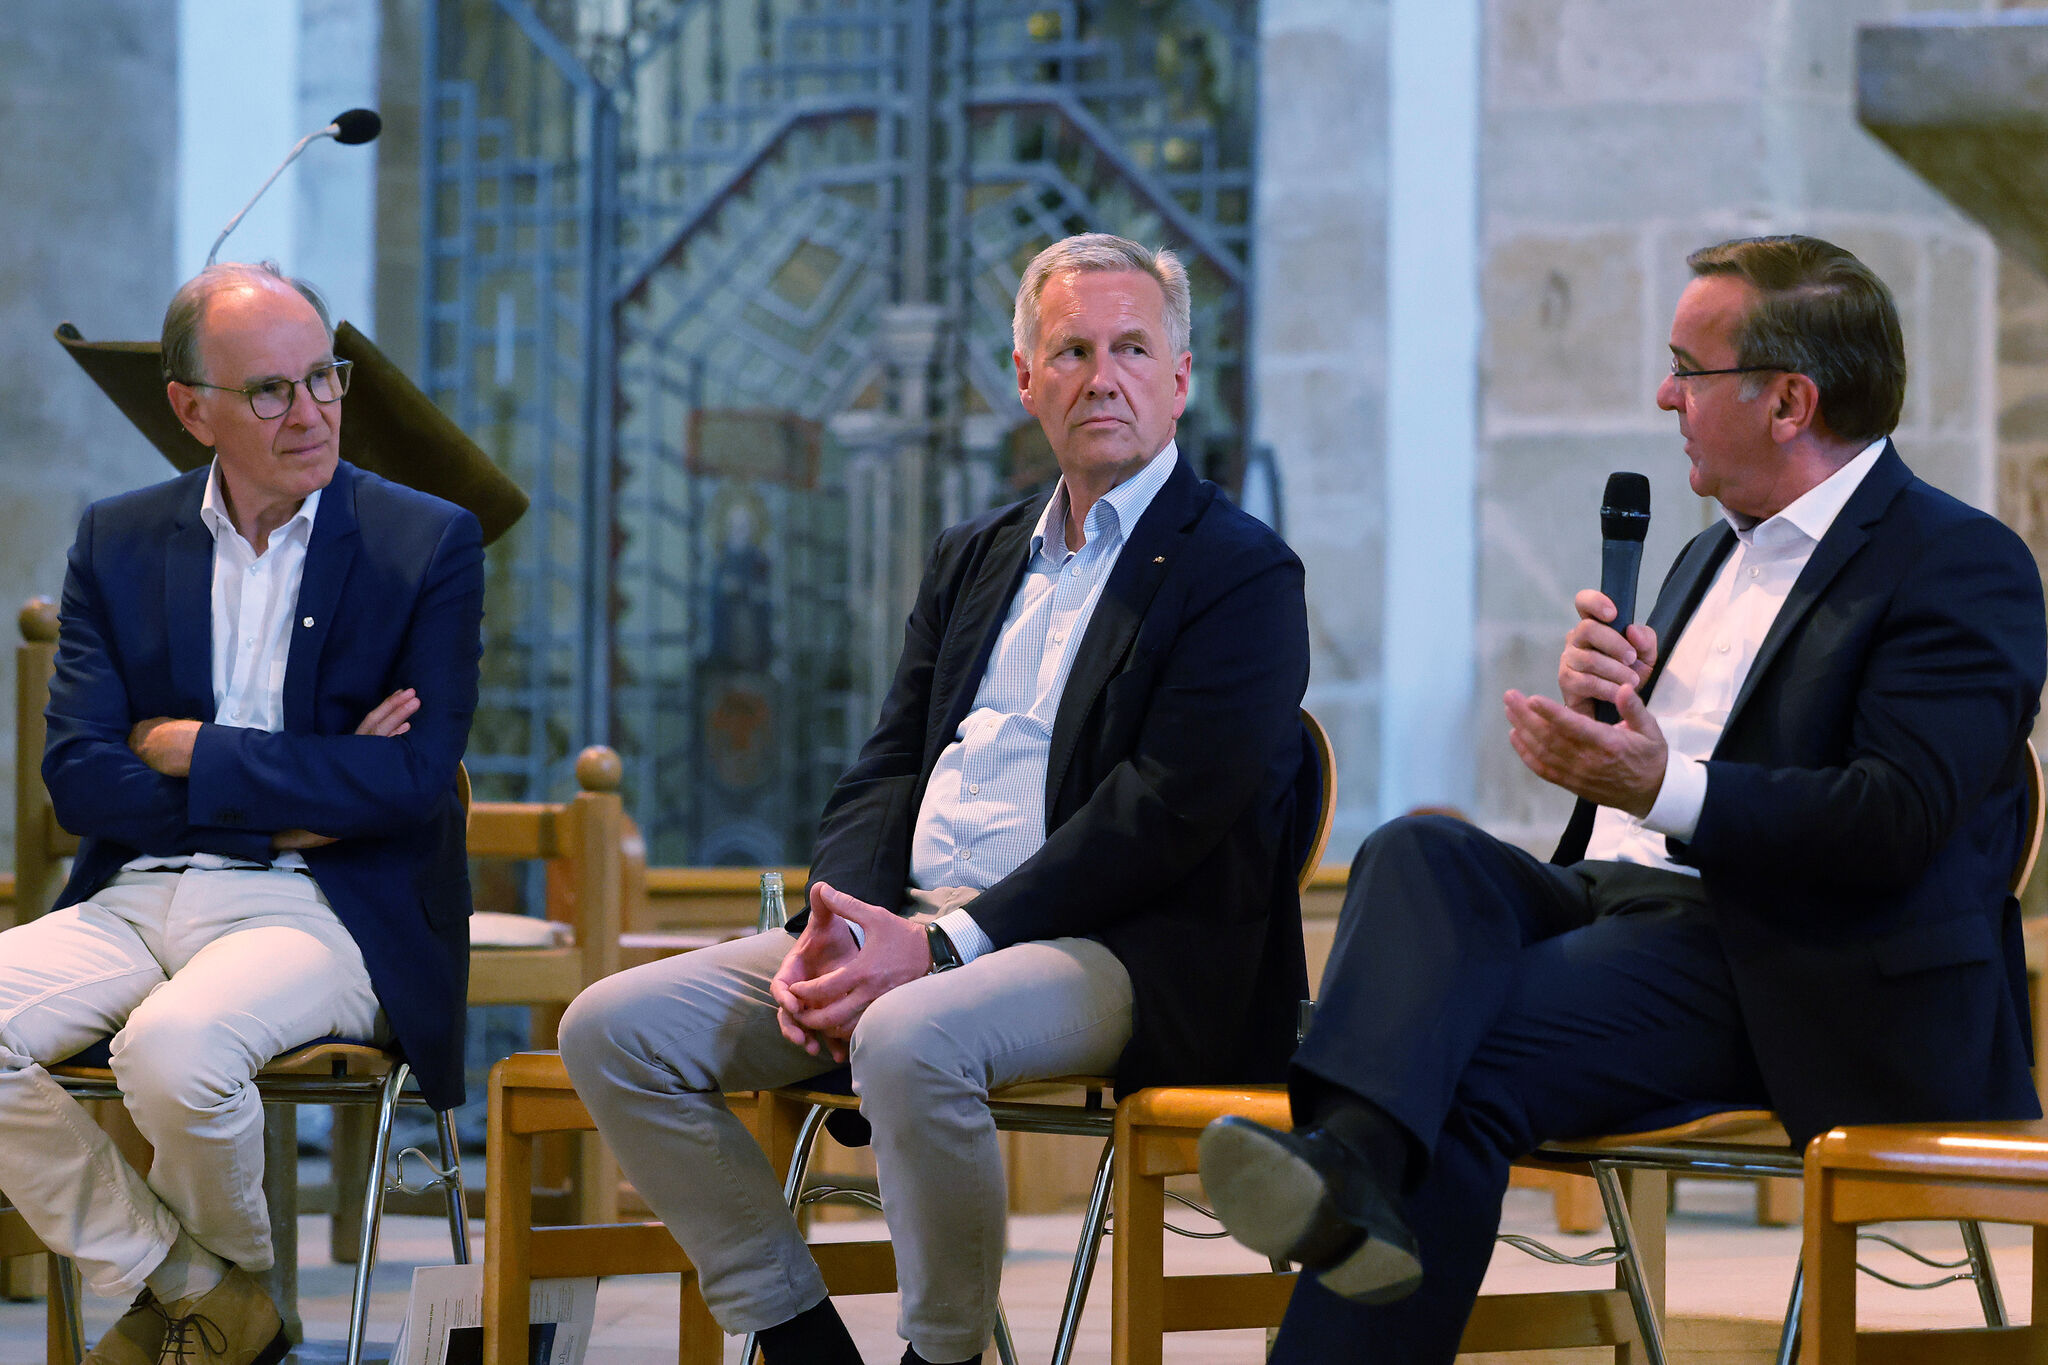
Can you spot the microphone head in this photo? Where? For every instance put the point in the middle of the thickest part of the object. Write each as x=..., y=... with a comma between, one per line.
x=357, y=125
x=1625, y=509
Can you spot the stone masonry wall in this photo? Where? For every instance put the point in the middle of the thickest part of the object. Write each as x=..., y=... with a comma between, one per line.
x=1319, y=352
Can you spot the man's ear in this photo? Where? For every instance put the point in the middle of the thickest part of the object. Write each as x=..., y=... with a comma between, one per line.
x=1795, y=407
x=1023, y=381
x=185, y=404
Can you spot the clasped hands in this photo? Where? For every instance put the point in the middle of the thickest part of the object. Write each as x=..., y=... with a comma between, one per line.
x=1619, y=765
x=826, y=982
x=166, y=745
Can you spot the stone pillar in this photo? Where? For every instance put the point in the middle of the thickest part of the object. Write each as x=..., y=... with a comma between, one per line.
x=1319, y=353
x=88, y=95
x=1617, y=137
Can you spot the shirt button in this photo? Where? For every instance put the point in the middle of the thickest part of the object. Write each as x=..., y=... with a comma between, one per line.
x=1059, y=636
x=965, y=855
x=1756, y=573
x=1724, y=646
x=974, y=789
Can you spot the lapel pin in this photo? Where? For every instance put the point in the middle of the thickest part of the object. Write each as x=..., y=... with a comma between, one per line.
x=1158, y=559
x=307, y=623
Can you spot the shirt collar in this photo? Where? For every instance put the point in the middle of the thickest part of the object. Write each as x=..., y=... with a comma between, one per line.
x=213, y=509
x=1114, y=511
x=1815, y=510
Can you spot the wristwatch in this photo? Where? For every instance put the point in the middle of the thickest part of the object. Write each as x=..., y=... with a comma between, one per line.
x=945, y=957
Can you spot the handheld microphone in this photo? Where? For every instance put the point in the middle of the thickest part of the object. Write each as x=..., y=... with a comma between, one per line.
x=1624, y=521
x=350, y=127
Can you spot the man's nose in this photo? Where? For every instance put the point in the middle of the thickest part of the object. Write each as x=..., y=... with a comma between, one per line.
x=1102, y=377
x=305, y=409
x=1670, y=395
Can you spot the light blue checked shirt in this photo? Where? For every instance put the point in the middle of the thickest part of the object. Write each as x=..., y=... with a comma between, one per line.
x=984, y=808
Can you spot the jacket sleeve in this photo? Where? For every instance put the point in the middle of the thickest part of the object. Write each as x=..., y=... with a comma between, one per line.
x=1221, y=717
x=351, y=786
x=1947, y=688
x=98, y=786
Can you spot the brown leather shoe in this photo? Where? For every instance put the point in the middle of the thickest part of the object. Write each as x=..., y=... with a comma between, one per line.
x=136, y=1338
x=233, y=1323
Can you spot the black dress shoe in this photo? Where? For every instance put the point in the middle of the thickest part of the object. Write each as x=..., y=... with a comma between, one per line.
x=1305, y=1198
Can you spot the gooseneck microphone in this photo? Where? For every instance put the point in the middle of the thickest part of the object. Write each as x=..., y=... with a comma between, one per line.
x=349, y=128
x=1624, y=521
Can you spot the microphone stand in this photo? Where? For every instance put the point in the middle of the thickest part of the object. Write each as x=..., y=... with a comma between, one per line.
x=330, y=130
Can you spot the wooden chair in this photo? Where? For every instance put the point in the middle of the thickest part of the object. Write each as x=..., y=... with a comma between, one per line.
x=1997, y=1172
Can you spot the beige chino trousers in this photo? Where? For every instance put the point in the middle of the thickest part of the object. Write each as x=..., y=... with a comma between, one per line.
x=200, y=977
x=650, y=1051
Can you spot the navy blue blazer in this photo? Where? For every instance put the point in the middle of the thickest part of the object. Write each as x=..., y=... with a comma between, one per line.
x=1865, y=807
x=392, y=596
x=1172, y=827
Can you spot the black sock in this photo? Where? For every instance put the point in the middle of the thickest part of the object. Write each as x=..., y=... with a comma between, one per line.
x=1368, y=1132
x=911, y=1357
x=815, y=1336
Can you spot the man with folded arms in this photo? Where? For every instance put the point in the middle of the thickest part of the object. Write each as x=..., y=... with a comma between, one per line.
x=1785, y=882
x=1068, y=847
x=265, y=675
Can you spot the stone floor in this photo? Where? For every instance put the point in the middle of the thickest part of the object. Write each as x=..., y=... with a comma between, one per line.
x=1727, y=1289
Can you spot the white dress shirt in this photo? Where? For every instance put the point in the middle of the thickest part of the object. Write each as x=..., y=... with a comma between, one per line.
x=984, y=808
x=1711, y=658
x=254, y=597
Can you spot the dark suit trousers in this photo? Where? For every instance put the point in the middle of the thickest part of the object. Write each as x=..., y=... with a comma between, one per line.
x=1490, y=1001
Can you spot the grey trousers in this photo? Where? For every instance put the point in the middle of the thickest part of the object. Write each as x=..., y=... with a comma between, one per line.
x=650, y=1051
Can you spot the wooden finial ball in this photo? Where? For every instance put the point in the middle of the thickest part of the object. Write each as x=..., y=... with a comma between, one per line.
x=598, y=769
x=39, y=620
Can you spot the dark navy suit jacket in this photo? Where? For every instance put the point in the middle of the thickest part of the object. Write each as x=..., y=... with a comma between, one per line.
x=1865, y=807
x=392, y=596
x=1172, y=823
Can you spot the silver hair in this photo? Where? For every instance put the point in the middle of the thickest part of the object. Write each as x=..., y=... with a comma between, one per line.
x=1102, y=251
x=181, y=358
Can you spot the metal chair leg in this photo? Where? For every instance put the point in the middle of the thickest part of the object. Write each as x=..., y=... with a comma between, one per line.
x=1788, y=1335
x=1983, y=1272
x=1086, y=1251
x=64, y=1284
x=1006, y=1350
x=373, y=1212
x=451, y=1186
x=792, y=1191
x=1624, y=1229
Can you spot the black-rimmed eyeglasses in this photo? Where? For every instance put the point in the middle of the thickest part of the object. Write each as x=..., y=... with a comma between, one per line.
x=273, y=398
x=1677, y=373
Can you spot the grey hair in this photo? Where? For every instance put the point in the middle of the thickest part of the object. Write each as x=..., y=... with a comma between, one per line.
x=181, y=359
x=1101, y=251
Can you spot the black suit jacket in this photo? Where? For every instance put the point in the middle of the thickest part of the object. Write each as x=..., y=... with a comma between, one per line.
x=1865, y=807
x=391, y=597
x=1172, y=827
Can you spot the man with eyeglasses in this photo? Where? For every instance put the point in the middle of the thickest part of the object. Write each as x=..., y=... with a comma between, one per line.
x=1785, y=883
x=265, y=674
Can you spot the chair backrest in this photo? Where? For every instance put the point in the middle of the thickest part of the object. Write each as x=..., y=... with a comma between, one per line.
x=583, y=842
x=40, y=843
x=2036, y=811
x=1316, y=746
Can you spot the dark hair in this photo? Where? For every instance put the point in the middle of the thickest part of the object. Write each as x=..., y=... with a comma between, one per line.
x=181, y=358
x=1819, y=312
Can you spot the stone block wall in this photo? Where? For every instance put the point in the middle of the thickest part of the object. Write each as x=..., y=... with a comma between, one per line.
x=1618, y=136
x=1319, y=351
x=87, y=96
